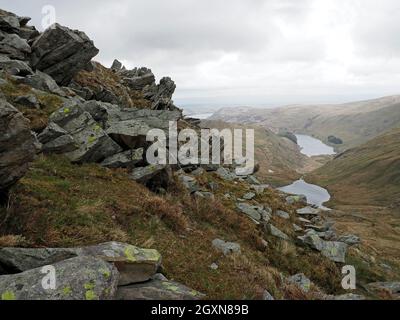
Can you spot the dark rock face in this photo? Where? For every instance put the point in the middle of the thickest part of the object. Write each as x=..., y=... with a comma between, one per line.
x=335, y=140
x=61, y=53
x=18, y=145
x=14, y=46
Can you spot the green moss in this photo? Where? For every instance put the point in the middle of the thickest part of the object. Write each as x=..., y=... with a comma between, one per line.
x=90, y=295
x=67, y=291
x=8, y=295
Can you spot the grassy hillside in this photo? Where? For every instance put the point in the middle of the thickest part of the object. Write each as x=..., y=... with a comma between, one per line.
x=354, y=123
x=60, y=204
x=369, y=174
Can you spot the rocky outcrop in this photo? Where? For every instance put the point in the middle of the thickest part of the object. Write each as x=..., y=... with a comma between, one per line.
x=18, y=145
x=80, y=278
x=61, y=53
x=106, y=271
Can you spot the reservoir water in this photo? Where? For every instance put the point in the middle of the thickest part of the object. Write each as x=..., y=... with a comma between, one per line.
x=315, y=195
x=313, y=147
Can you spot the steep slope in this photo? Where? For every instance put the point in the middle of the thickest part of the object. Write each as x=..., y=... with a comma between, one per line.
x=369, y=174
x=353, y=123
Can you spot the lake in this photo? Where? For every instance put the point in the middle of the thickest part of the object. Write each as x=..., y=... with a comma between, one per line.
x=313, y=147
x=315, y=195
x=201, y=116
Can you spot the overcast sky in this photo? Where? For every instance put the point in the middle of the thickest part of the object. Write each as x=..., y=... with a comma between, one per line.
x=245, y=52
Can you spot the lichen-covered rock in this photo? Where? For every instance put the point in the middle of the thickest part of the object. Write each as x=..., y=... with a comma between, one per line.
x=301, y=281
x=93, y=143
x=62, y=53
x=144, y=174
x=134, y=264
x=308, y=211
x=80, y=278
x=18, y=145
x=334, y=250
x=158, y=290
x=393, y=288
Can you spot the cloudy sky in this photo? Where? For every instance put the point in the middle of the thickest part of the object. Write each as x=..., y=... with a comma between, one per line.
x=245, y=52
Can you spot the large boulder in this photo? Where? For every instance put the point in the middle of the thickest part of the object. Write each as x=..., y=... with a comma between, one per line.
x=93, y=143
x=333, y=250
x=134, y=264
x=9, y=22
x=18, y=145
x=62, y=53
x=13, y=46
x=80, y=278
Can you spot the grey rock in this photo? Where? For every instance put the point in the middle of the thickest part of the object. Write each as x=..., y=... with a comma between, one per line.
x=308, y=211
x=61, y=53
x=297, y=228
x=283, y=214
x=43, y=82
x=14, y=67
x=189, y=183
x=226, y=248
x=126, y=159
x=51, y=132
x=9, y=22
x=267, y=296
x=145, y=174
x=14, y=46
x=225, y=174
x=94, y=144
x=253, y=180
x=335, y=251
x=350, y=239
x=257, y=213
x=301, y=281
x=60, y=145
x=116, y=66
x=198, y=172
x=214, y=266
x=296, y=199
x=259, y=189
x=29, y=101
x=134, y=264
x=204, y=195
x=276, y=232
x=157, y=290
x=18, y=145
x=138, y=79
x=80, y=278
x=249, y=196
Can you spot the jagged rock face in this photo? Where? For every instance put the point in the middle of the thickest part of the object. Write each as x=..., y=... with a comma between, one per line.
x=15, y=67
x=18, y=145
x=92, y=142
x=83, y=278
x=14, y=46
x=61, y=53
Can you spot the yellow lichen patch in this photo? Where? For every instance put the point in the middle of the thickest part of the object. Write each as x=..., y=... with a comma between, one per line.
x=67, y=291
x=90, y=295
x=8, y=295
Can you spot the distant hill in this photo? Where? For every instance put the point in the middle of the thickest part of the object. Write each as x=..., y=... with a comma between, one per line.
x=366, y=175
x=353, y=123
